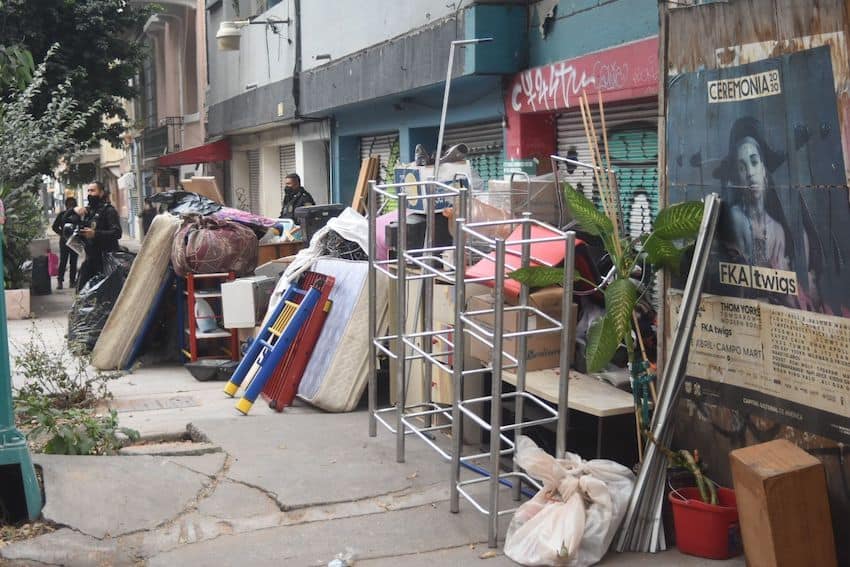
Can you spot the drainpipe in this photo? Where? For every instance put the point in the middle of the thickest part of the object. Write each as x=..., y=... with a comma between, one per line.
x=296, y=71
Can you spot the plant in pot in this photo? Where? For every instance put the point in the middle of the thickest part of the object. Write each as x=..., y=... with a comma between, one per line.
x=705, y=516
x=674, y=230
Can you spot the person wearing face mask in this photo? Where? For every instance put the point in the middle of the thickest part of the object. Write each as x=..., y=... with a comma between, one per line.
x=294, y=196
x=101, y=231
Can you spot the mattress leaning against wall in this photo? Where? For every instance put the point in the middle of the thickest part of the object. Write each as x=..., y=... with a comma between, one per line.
x=143, y=283
x=336, y=375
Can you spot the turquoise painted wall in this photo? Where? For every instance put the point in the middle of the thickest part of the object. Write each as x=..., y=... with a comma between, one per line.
x=416, y=117
x=508, y=26
x=584, y=26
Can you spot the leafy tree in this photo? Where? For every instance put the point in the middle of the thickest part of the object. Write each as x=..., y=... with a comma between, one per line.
x=28, y=141
x=97, y=51
x=16, y=67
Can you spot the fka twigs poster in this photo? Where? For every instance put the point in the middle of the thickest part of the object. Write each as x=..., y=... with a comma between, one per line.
x=773, y=335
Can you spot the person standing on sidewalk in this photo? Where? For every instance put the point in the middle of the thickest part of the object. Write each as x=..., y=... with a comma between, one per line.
x=66, y=255
x=294, y=196
x=101, y=231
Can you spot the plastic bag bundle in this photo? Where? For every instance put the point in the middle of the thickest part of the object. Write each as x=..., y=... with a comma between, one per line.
x=94, y=303
x=186, y=203
x=207, y=245
x=574, y=517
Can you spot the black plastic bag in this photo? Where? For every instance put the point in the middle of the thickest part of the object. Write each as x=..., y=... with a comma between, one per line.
x=185, y=203
x=94, y=303
x=338, y=247
x=40, y=276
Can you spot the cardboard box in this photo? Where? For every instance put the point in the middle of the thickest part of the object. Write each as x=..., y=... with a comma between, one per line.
x=782, y=506
x=542, y=351
x=444, y=300
x=17, y=304
x=204, y=186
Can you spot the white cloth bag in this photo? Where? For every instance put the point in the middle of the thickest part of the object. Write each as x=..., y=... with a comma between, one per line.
x=573, y=519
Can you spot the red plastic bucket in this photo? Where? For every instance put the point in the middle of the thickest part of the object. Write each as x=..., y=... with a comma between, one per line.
x=706, y=530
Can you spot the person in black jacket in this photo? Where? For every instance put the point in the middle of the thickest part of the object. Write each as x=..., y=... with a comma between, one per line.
x=148, y=214
x=66, y=255
x=294, y=196
x=101, y=232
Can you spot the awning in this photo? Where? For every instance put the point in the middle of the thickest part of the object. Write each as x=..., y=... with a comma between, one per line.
x=214, y=151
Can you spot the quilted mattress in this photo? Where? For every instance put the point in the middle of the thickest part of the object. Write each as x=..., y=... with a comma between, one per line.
x=143, y=283
x=336, y=375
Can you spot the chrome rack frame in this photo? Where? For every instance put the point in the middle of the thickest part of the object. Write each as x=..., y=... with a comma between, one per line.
x=497, y=250
x=402, y=346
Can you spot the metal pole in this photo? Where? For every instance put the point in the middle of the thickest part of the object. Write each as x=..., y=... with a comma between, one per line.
x=496, y=394
x=567, y=340
x=13, y=444
x=446, y=98
x=401, y=322
x=644, y=505
x=522, y=348
x=372, y=196
x=457, y=360
x=428, y=305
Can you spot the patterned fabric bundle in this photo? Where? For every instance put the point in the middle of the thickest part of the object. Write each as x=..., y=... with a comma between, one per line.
x=207, y=245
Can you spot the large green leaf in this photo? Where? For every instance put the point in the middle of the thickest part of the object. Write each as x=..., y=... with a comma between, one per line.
x=602, y=343
x=585, y=212
x=663, y=253
x=620, y=299
x=538, y=276
x=681, y=220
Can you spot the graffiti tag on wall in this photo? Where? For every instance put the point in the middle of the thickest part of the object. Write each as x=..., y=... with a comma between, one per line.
x=620, y=73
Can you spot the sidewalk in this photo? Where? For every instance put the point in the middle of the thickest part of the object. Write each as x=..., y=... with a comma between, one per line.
x=295, y=488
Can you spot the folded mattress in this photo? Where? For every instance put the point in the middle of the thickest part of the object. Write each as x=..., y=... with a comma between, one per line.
x=138, y=296
x=336, y=376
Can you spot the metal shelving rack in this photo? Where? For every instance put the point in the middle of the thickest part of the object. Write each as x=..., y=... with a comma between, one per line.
x=209, y=289
x=404, y=347
x=471, y=241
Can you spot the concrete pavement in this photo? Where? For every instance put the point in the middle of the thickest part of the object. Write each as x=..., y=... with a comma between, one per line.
x=295, y=488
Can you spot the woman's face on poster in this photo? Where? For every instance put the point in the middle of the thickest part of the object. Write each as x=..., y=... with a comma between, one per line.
x=751, y=170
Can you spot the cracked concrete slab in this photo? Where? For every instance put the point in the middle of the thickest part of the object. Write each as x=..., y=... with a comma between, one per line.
x=453, y=557
x=110, y=496
x=411, y=531
x=68, y=548
x=208, y=464
x=170, y=449
x=317, y=458
x=233, y=500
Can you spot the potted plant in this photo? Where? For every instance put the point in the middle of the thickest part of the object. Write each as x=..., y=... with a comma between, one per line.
x=705, y=516
x=675, y=229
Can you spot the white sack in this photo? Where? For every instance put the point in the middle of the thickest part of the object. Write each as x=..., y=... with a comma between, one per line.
x=573, y=519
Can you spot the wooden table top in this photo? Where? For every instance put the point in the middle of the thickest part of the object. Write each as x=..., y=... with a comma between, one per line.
x=586, y=394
